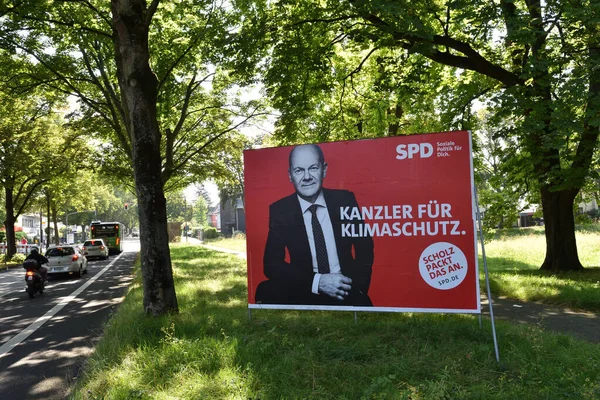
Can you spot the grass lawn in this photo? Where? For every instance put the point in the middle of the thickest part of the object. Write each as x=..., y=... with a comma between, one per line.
x=237, y=243
x=8, y=264
x=515, y=255
x=211, y=350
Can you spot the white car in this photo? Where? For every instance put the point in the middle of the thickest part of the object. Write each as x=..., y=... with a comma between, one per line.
x=66, y=259
x=95, y=248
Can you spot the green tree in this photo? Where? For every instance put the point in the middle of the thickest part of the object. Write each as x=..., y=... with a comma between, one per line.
x=591, y=190
x=534, y=63
x=2, y=210
x=109, y=202
x=502, y=191
x=202, y=191
x=195, y=107
x=200, y=212
x=178, y=208
x=127, y=216
x=71, y=192
x=160, y=96
x=230, y=176
x=34, y=147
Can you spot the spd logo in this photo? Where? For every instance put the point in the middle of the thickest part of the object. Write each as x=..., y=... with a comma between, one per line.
x=422, y=150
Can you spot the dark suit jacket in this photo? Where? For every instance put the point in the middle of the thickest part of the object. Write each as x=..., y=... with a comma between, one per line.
x=294, y=279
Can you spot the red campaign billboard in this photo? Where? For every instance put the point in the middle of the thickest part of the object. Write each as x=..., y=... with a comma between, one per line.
x=372, y=225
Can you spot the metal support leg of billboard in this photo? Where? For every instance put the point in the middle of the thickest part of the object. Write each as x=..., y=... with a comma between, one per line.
x=487, y=277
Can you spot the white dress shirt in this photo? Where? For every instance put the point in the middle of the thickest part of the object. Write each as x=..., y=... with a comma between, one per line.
x=327, y=227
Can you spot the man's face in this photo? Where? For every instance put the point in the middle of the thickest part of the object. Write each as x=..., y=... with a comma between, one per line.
x=307, y=172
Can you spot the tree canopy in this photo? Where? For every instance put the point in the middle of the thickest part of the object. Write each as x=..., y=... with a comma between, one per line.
x=155, y=82
x=70, y=46
x=35, y=149
x=356, y=68
x=152, y=78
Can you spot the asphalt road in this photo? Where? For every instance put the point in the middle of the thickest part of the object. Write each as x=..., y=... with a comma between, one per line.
x=45, y=341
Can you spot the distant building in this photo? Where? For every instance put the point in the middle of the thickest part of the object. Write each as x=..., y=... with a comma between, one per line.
x=233, y=216
x=526, y=219
x=586, y=207
x=30, y=224
x=214, y=217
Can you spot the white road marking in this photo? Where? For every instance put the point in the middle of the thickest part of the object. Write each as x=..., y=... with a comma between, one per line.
x=24, y=334
x=18, y=287
x=12, y=282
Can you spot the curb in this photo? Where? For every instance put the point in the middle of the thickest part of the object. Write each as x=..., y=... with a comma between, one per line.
x=4, y=268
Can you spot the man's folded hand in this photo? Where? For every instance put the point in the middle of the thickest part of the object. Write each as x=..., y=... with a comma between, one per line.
x=335, y=285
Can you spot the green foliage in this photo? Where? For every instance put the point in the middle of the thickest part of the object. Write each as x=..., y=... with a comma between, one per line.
x=109, y=201
x=178, y=208
x=362, y=69
x=18, y=258
x=200, y=211
x=190, y=47
x=584, y=219
x=333, y=77
x=502, y=189
x=74, y=191
x=594, y=215
x=20, y=235
x=239, y=235
x=209, y=232
x=513, y=257
x=230, y=177
x=36, y=149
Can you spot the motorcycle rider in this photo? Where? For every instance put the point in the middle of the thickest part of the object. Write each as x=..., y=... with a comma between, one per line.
x=35, y=255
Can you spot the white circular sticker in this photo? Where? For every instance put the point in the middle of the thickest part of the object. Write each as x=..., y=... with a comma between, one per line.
x=443, y=266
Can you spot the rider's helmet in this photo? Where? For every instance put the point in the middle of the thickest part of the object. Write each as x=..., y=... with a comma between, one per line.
x=34, y=250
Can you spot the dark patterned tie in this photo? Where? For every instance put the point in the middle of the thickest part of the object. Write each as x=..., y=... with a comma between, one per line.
x=321, y=249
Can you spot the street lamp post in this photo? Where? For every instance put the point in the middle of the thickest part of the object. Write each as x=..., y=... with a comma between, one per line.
x=73, y=213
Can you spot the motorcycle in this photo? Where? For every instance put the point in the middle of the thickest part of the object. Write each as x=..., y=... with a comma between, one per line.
x=34, y=280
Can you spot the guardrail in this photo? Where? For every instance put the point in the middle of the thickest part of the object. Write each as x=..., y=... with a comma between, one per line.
x=21, y=248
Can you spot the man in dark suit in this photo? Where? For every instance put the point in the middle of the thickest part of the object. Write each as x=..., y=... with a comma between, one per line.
x=324, y=267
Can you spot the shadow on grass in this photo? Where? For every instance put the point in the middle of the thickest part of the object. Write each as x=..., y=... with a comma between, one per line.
x=212, y=349
x=521, y=281
x=283, y=346
x=500, y=234
x=501, y=264
x=202, y=263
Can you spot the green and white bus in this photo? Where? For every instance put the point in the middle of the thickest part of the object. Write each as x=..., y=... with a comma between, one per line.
x=111, y=233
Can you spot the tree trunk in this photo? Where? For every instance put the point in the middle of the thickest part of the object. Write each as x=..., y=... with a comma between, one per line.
x=48, y=238
x=561, y=248
x=56, y=231
x=9, y=223
x=138, y=84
